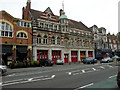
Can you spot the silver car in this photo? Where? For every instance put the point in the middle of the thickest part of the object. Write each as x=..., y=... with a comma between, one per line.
x=3, y=68
x=106, y=59
x=59, y=61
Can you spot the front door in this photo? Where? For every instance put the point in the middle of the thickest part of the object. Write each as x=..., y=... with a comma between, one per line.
x=65, y=58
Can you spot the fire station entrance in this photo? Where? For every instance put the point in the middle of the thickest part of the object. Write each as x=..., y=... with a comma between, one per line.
x=42, y=54
x=56, y=54
x=82, y=54
x=65, y=58
x=90, y=53
x=74, y=56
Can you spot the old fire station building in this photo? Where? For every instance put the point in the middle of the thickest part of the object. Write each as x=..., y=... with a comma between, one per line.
x=15, y=35
x=58, y=37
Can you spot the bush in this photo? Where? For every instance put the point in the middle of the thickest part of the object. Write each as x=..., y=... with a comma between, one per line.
x=15, y=65
x=24, y=64
x=32, y=63
x=37, y=63
x=20, y=64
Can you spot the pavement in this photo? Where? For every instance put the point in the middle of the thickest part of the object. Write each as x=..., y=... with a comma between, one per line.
x=43, y=68
x=47, y=68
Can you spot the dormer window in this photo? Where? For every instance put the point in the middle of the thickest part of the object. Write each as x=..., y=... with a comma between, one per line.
x=48, y=15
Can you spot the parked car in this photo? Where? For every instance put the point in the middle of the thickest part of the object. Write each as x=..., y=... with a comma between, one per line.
x=106, y=59
x=59, y=61
x=3, y=68
x=89, y=60
x=118, y=77
x=46, y=62
x=115, y=58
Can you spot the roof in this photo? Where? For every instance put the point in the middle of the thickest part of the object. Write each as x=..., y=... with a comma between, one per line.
x=63, y=16
x=72, y=23
x=78, y=25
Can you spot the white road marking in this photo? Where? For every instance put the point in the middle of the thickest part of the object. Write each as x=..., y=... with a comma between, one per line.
x=27, y=80
x=1, y=84
x=13, y=80
x=84, y=86
x=102, y=67
x=83, y=71
x=69, y=73
x=10, y=75
x=76, y=73
x=30, y=79
x=110, y=66
x=53, y=76
x=112, y=76
x=94, y=69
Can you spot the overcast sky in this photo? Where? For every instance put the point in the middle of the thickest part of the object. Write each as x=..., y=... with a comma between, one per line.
x=103, y=13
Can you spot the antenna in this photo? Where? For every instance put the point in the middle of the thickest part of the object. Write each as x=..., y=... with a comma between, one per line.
x=63, y=5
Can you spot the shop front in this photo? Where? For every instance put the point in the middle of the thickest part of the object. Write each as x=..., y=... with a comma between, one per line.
x=21, y=53
x=6, y=52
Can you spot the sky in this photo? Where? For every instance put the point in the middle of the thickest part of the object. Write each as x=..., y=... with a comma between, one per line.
x=103, y=13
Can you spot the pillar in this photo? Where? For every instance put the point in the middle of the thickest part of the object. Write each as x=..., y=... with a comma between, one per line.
x=86, y=53
x=79, y=55
x=62, y=54
x=50, y=54
x=93, y=54
x=35, y=53
x=69, y=56
x=14, y=51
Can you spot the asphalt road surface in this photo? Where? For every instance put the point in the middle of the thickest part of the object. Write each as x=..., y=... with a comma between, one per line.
x=77, y=77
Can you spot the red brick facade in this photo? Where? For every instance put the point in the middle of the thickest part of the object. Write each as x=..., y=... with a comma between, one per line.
x=21, y=35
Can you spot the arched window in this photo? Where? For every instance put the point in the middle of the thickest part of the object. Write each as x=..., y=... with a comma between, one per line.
x=38, y=39
x=21, y=35
x=53, y=40
x=5, y=30
x=58, y=40
x=45, y=39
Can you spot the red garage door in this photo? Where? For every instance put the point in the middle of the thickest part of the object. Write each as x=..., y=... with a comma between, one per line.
x=56, y=55
x=42, y=54
x=74, y=56
x=82, y=54
x=65, y=58
x=90, y=53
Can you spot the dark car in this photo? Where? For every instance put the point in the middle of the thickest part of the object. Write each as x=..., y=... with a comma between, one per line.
x=46, y=62
x=118, y=77
x=89, y=60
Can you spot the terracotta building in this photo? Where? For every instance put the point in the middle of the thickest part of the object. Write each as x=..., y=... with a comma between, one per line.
x=56, y=36
x=16, y=37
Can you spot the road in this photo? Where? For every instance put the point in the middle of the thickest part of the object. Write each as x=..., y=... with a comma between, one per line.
x=77, y=77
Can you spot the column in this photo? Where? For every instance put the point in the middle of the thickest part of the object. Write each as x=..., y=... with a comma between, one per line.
x=86, y=53
x=93, y=54
x=79, y=55
x=35, y=53
x=70, y=56
x=14, y=51
x=62, y=54
x=50, y=54
x=30, y=51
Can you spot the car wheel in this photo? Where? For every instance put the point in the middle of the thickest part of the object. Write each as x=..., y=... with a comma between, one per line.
x=108, y=61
